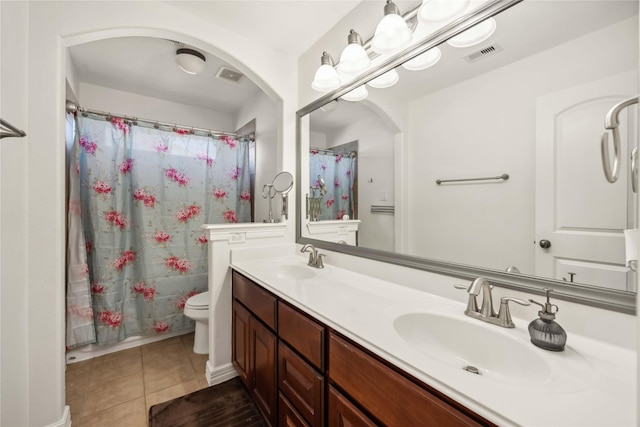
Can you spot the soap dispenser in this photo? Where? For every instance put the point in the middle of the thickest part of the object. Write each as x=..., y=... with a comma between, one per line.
x=545, y=332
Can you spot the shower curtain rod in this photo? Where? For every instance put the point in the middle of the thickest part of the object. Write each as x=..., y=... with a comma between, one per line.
x=73, y=107
x=335, y=153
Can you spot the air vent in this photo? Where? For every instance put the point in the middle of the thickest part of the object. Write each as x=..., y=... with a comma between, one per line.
x=483, y=53
x=229, y=74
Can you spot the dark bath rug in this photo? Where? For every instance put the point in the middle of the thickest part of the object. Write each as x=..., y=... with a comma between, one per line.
x=223, y=405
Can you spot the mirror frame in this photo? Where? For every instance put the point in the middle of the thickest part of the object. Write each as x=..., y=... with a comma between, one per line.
x=610, y=299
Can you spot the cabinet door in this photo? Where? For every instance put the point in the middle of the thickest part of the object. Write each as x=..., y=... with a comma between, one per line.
x=301, y=384
x=387, y=395
x=240, y=345
x=289, y=417
x=264, y=384
x=342, y=413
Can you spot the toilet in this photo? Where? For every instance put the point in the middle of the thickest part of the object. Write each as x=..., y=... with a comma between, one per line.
x=197, y=308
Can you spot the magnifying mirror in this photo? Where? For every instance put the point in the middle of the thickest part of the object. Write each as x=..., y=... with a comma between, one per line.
x=282, y=183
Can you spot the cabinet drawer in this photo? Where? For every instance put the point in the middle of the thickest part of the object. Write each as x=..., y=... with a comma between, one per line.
x=390, y=397
x=301, y=384
x=302, y=333
x=256, y=299
x=289, y=417
x=341, y=412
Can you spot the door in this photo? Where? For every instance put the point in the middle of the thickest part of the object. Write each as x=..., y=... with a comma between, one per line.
x=578, y=212
x=240, y=343
x=262, y=344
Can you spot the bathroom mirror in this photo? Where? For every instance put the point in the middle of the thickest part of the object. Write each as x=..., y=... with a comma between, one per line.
x=529, y=102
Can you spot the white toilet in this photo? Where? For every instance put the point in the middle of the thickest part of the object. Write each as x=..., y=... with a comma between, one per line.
x=197, y=308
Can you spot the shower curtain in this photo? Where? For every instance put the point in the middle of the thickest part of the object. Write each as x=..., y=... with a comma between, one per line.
x=137, y=199
x=339, y=174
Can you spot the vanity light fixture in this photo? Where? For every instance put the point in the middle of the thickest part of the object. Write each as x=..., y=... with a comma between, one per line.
x=424, y=60
x=326, y=78
x=388, y=79
x=354, y=58
x=358, y=94
x=190, y=61
x=474, y=35
x=392, y=33
x=433, y=11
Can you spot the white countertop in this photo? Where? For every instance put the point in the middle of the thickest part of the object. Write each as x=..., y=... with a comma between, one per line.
x=590, y=383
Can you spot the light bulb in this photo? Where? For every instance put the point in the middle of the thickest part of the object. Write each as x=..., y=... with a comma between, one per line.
x=354, y=58
x=424, y=60
x=388, y=79
x=326, y=77
x=440, y=10
x=474, y=35
x=392, y=33
x=358, y=94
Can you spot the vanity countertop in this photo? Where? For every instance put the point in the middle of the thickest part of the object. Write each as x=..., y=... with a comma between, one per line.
x=590, y=383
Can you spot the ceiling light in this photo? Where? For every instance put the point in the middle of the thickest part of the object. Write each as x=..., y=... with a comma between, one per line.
x=440, y=10
x=326, y=78
x=358, y=94
x=354, y=58
x=190, y=61
x=474, y=35
x=388, y=79
x=392, y=33
x=424, y=60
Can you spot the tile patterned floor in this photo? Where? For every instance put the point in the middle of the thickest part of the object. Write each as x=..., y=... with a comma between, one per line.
x=119, y=388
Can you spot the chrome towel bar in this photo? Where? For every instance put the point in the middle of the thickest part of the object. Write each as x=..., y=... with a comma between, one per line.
x=383, y=209
x=504, y=177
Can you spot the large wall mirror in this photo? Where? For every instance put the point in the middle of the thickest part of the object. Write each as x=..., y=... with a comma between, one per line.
x=488, y=163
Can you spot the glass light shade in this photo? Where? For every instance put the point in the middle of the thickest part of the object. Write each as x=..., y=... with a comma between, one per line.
x=326, y=79
x=440, y=10
x=474, y=35
x=190, y=61
x=388, y=79
x=392, y=35
x=424, y=60
x=358, y=94
x=354, y=59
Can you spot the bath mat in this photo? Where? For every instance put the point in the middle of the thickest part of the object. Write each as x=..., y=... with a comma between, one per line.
x=223, y=405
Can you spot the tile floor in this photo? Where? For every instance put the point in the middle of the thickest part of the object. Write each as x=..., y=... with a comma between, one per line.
x=119, y=388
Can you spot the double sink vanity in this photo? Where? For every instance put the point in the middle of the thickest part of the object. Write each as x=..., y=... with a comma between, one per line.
x=332, y=346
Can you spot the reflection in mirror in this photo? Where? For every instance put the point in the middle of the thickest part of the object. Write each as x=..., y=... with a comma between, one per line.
x=529, y=102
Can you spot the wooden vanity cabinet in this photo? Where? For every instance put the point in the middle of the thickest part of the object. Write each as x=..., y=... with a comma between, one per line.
x=342, y=413
x=254, y=347
x=389, y=396
x=291, y=364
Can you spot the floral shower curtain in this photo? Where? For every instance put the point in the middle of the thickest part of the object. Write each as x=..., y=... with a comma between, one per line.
x=339, y=173
x=138, y=197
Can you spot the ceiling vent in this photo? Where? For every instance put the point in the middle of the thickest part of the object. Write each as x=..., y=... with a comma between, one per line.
x=483, y=53
x=229, y=74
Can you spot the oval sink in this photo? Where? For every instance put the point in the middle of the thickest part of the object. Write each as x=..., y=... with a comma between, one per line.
x=293, y=271
x=479, y=348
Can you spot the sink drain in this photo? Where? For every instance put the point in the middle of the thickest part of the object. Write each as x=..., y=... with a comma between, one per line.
x=472, y=369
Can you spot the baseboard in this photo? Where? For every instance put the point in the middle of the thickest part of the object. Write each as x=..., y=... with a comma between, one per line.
x=65, y=421
x=220, y=374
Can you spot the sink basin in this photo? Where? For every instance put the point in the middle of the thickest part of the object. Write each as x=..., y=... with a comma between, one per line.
x=291, y=271
x=469, y=344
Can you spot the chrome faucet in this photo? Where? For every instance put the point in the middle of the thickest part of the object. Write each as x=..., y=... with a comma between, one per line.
x=486, y=312
x=315, y=258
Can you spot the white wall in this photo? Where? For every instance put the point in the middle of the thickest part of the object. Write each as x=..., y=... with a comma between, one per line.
x=130, y=104
x=34, y=40
x=472, y=131
x=262, y=109
x=375, y=163
x=14, y=294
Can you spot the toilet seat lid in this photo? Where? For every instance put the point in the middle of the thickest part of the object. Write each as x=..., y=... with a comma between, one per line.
x=200, y=300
